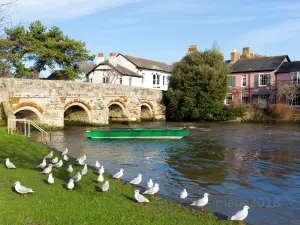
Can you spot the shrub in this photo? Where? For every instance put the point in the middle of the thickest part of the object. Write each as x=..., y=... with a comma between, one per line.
x=281, y=112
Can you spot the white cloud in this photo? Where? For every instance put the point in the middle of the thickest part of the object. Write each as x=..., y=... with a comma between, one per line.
x=27, y=10
x=209, y=20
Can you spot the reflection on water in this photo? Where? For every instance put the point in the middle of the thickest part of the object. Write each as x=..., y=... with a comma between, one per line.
x=238, y=164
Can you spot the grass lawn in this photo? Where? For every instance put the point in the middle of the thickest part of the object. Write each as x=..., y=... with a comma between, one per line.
x=53, y=204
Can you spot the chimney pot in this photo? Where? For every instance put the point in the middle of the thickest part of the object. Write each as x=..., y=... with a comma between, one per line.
x=112, y=54
x=192, y=48
x=100, y=55
x=234, y=56
x=246, y=50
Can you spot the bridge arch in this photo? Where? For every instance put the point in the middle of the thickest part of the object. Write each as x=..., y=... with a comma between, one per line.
x=73, y=107
x=117, y=110
x=28, y=112
x=146, y=111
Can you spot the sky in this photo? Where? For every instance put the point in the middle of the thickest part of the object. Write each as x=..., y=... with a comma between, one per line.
x=163, y=29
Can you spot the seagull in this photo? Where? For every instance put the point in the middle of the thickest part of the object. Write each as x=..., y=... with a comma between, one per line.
x=150, y=183
x=241, y=215
x=105, y=186
x=66, y=158
x=201, y=202
x=59, y=164
x=84, y=170
x=48, y=169
x=82, y=158
x=100, y=178
x=77, y=177
x=137, y=180
x=97, y=164
x=101, y=170
x=119, y=174
x=43, y=164
x=65, y=152
x=70, y=169
x=9, y=165
x=49, y=156
x=55, y=160
x=152, y=191
x=139, y=197
x=70, y=185
x=50, y=179
x=183, y=194
x=81, y=162
x=22, y=190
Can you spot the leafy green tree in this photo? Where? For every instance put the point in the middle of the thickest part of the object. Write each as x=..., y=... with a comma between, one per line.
x=44, y=48
x=198, y=86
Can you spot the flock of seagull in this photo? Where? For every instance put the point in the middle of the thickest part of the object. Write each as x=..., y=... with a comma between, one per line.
x=152, y=188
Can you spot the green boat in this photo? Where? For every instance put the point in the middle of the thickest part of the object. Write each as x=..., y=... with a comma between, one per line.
x=140, y=133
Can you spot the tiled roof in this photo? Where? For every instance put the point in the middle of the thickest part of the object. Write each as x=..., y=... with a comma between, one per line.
x=147, y=63
x=287, y=67
x=58, y=75
x=258, y=64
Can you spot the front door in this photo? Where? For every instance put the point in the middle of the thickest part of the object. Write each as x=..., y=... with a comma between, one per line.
x=262, y=101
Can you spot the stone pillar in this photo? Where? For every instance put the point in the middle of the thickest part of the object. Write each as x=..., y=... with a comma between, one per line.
x=99, y=116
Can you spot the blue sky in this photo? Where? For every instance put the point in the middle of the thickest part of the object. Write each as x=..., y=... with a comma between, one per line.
x=163, y=29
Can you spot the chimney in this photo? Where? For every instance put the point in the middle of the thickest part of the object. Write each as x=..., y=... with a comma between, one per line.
x=246, y=51
x=99, y=58
x=234, y=56
x=112, y=58
x=192, y=48
x=36, y=74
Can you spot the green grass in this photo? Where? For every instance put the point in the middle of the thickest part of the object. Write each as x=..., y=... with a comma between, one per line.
x=53, y=204
x=2, y=123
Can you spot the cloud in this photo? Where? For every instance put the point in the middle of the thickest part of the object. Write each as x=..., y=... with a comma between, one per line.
x=62, y=9
x=209, y=20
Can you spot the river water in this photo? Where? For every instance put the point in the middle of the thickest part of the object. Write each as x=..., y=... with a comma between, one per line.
x=237, y=164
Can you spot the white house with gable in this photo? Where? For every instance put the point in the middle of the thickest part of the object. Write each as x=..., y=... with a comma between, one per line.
x=129, y=70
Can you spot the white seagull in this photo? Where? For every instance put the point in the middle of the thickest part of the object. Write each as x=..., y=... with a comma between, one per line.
x=139, y=197
x=97, y=164
x=49, y=156
x=137, y=180
x=59, y=164
x=50, y=179
x=105, y=186
x=70, y=184
x=43, y=164
x=150, y=183
x=22, y=190
x=9, y=165
x=77, y=177
x=81, y=162
x=70, y=169
x=119, y=174
x=201, y=202
x=48, y=169
x=183, y=194
x=82, y=158
x=84, y=170
x=100, y=178
x=65, y=152
x=101, y=170
x=66, y=158
x=241, y=215
x=55, y=160
x=152, y=191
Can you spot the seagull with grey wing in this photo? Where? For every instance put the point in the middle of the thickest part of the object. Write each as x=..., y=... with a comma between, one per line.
x=66, y=158
x=84, y=170
x=43, y=164
x=97, y=164
x=152, y=191
x=119, y=174
x=70, y=184
x=201, y=202
x=59, y=164
x=49, y=156
x=22, y=190
x=100, y=178
x=65, y=152
x=9, y=164
x=48, y=169
x=77, y=177
x=137, y=180
x=105, y=186
x=70, y=169
x=140, y=198
x=241, y=215
x=55, y=160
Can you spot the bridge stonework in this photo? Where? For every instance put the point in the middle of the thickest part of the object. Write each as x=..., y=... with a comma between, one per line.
x=50, y=99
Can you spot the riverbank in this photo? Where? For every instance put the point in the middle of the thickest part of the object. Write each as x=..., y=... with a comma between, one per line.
x=53, y=204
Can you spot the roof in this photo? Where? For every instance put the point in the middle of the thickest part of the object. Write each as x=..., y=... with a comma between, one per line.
x=262, y=92
x=58, y=75
x=288, y=67
x=147, y=63
x=258, y=64
x=122, y=70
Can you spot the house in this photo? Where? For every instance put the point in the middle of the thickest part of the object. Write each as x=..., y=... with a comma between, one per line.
x=130, y=70
x=253, y=77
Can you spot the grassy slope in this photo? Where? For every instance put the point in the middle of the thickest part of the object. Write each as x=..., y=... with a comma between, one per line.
x=84, y=205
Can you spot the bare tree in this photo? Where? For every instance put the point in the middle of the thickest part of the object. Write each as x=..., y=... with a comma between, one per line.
x=4, y=12
x=216, y=46
x=112, y=76
x=86, y=66
x=290, y=90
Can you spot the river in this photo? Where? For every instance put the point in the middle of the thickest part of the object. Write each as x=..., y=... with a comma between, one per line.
x=237, y=164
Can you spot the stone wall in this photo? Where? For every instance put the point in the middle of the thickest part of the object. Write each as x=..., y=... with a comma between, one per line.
x=50, y=99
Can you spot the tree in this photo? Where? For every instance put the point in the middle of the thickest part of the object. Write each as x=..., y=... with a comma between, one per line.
x=216, y=47
x=197, y=86
x=86, y=66
x=44, y=48
x=290, y=90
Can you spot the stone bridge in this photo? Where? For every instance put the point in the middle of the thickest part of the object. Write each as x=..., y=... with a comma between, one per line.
x=54, y=102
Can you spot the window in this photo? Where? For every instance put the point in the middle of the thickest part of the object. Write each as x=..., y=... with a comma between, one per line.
x=231, y=81
x=157, y=79
x=228, y=99
x=154, y=79
x=120, y=80
x=130, y=80
x=245, y=98
x=105, y=80
x=244, y=80
x=296, y=101
x=143, y=74
x=263, y=79
x=164, y=80
x=295, y=77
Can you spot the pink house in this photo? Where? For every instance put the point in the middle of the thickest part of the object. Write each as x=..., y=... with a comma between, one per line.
x=253, y=78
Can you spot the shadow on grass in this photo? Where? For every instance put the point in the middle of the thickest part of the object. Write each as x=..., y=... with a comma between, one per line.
x=221, y=216
x=129, y=197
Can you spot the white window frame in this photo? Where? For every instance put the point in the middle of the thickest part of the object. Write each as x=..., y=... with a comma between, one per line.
x=226, y=103
x=164, y=78
x=105, y=80
x=297, y=80
x=248, y=98
x=259, y=83
x=244, y=76
x=154, y=79
x=130, y=81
